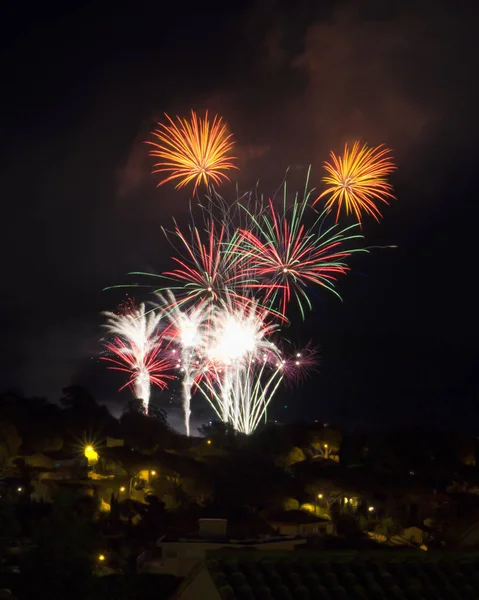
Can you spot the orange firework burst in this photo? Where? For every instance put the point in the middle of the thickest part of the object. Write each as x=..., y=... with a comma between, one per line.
x=358, y=179
x=193, y=149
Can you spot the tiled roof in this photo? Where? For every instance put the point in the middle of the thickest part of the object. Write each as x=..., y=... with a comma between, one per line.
x=406, y=576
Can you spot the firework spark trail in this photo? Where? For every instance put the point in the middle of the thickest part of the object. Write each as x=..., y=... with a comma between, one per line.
x=247, y=395
x=210, y=266
x=136, y=349
x=297, y=364
x=284, y=254
x=193, y=149
x=188, y=333
x=357, y=180
x=238, y=339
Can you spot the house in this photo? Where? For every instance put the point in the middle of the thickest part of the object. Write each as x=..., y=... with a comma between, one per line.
x=299, y=523
x=413, y=536
x=179, y=556
x=56, y=465
x=416, y=535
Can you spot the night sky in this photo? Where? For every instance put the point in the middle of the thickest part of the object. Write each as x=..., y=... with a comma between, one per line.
x=82, y=89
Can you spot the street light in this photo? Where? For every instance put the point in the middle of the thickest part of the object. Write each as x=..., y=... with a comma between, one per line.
x=320, y=496
x=101, y=557
x=153, y=472
x=122, y=489
x=371, y=508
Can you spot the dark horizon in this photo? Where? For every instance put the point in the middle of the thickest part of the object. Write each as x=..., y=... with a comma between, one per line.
x=81, y=210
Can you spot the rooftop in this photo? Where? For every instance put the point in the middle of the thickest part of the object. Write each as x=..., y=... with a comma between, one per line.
x=338, y=576
x=296, y=517
x=267, y=539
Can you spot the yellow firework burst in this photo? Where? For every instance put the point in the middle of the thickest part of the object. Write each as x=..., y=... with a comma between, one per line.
x=193, y=149
x=357, y=180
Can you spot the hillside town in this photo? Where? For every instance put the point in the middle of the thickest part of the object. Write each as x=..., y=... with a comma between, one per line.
x=144, y=501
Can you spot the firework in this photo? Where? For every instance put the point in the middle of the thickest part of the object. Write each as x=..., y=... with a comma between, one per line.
x=208, y=270
x=193, y=150
x=297, y=364
x=285, y=255
x=127, y=306
x=244, y=399
x=357, y=180
x=187, y=333
x=240, y=332
x=136, y=349
x=238, y=346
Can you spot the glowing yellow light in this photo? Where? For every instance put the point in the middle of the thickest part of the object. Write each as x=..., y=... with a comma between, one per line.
x=122, y=489
x=19, y=489
x=320, y=496
x=325, y=445
x=153, y=472
x=208, y=442
x=370, y=508
x=91, y=455
x=101, y=557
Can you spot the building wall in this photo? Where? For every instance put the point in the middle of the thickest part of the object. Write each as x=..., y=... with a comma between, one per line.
x=303, y=529
x=39, y=460
x=178, y=558
x=415, y=535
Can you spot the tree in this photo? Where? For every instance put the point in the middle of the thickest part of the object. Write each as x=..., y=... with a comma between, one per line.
x=10, y=442
x=326, y=441
x=66, y=550
x=388, y=527
x=293, y=456
x=221, y=435
x=144, y=433
x=248, y=480
x=153, y=520
x=76, y=396
x=9, y=526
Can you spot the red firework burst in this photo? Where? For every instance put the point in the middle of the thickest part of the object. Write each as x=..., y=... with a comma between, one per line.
x=285, y=256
